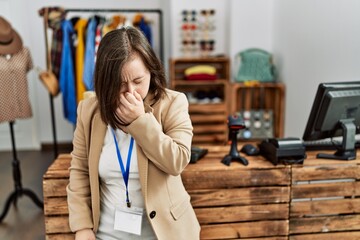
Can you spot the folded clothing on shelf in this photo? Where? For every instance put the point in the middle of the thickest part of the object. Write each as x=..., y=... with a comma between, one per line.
x=201, y=72
x=201, y=76
x=204, y=97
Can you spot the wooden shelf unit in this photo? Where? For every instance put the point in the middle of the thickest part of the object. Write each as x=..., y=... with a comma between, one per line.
x=209, y=119
x=246, y=97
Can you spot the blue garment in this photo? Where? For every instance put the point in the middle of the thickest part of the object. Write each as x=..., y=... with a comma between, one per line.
x=146, y=29
x=89, y=62
x=67, y=75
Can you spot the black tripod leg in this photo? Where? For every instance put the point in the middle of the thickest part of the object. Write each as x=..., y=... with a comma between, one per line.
x=11, y=198
x=33, y=197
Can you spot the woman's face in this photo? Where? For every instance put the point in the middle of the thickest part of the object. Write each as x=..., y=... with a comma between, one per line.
x=135, y=77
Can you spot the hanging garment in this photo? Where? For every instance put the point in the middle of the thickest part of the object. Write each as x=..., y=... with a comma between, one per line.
x=140, y=22
x=116, y=21
x=146, y=29
x=55, y=16
x=89, y=63
x=14, y=99
x=79, y=59
x=100, y=23
x=67, y=77
x=98, y=38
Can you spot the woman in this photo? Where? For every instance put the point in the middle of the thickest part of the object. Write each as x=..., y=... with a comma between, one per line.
x=131, y=143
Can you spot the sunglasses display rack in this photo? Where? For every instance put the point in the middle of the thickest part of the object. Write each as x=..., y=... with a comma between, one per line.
x=197, y=33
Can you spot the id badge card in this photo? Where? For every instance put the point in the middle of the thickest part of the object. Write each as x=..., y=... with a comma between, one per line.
x=128, y=219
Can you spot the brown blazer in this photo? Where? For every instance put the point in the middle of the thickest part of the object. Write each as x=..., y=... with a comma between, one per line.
x=163, y=136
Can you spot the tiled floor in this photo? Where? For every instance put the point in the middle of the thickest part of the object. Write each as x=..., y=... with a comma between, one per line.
x=26, y=221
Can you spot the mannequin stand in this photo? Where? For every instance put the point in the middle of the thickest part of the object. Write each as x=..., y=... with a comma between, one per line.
x=19, y=191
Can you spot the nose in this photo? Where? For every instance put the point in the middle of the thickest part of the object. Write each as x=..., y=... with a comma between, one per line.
x=128, y=87
x=131, y=87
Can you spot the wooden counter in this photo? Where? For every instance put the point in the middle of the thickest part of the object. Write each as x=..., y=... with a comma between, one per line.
x=317, y=200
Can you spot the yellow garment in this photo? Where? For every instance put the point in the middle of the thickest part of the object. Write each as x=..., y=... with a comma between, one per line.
x=79, y=59
x=207, y=69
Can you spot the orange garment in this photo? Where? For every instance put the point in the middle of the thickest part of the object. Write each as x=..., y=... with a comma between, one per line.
x=79, y=59
x=116, y=22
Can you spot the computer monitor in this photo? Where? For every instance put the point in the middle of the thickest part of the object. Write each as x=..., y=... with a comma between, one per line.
x=335, y=112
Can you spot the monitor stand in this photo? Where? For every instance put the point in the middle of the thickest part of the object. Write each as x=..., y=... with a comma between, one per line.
x=347, y=150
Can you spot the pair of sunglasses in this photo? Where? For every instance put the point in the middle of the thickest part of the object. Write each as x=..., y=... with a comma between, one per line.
x=188, y=26
x=207, y=12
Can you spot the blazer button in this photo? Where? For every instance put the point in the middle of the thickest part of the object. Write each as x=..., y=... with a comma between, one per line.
x=152, y=214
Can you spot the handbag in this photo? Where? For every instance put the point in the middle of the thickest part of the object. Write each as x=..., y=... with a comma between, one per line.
x=50, y=81
x=256, y=64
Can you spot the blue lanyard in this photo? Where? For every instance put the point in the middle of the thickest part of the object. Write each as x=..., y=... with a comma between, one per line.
x=124, y=172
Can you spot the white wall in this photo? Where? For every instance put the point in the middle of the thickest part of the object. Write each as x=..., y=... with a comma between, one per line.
x=314, y=41
x=251, y=24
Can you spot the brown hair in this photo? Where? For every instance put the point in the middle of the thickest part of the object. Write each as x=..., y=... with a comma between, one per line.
x=116, y=48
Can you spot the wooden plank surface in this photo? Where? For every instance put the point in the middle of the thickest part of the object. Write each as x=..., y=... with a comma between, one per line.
x=56, y=206
x=311, y=160
x=231, y=214
x=68, y=236
x=239, y=196
x=328, y=236
x=324, y=207
x=245, y=230
x=219, y=137
x=57, y=224
x=55, y=187
x=326, y=172
x=318, y=190
x=266, y=238
x=324, y=224
x=229, y=178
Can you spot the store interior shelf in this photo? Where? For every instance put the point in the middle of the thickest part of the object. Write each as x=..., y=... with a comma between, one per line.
x=208, y=99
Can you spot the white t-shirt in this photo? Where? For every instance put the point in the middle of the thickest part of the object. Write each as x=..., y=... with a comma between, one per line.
x=112, y=187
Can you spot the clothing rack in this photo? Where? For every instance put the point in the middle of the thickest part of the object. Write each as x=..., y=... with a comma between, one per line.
x=158, y=11
x=94, y=10
x=19, y=190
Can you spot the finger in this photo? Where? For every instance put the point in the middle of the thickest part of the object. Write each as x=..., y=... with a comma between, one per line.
x=120, y=115
x=130, y=98
x=137, y=96
x=124, y=101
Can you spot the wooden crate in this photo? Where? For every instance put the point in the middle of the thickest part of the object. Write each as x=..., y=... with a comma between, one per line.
x=239, y=201
x=325, y=201
x=209, y=119
x=267, y=96
x=56, y=211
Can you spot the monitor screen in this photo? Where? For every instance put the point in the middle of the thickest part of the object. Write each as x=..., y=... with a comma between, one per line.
x=335, y=112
